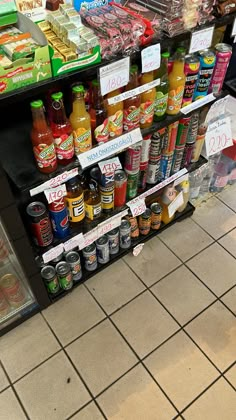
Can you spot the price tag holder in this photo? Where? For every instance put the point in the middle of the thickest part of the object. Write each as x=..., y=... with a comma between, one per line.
x=176, y=203
x=56, y=193
x=110, y=165
x=201, y=40
x=54, y=182
x=151, y=58
x=73, y=242
x=137, y=206
x=233, y=33
x=218, y=136
x=53, y=253
x=114, y=75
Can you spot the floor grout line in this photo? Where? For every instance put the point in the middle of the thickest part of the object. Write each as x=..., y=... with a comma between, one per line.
x=221, y=200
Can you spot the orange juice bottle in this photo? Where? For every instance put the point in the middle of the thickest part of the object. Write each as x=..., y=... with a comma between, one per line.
x=115, y=115
x=176, y=83
x=80, y=122
x=147, y=101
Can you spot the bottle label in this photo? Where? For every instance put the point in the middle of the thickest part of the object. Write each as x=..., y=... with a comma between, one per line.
x=107, y=199
x=76, y=208
x=131, y=118
x=116, y=124
x=93, y=211
x=146, y=112
x=82, y=140
x=64, y=146
x=189, y=88
x=160, y=104
x=175, y=99
x=101, y=133
x=45, y=155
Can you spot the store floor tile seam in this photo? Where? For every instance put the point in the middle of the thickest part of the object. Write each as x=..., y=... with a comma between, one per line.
x=220, y=237
x=222, y=201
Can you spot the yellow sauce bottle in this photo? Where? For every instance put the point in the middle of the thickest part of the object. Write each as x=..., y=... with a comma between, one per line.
x=115, y=115
x=176, y=84
x=80, y=122
x=147, y=101
x=168, y=195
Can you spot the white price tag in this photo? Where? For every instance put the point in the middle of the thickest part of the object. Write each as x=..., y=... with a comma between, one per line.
x=218, y=136
x=73, y=242
x=114, y=75
x=233, y=33
x=110, y=148
x=56, y=193
x=53, y=253
x=111, y=165
x=137, y=206
x=54, y=182
x=217, y=109
x=151, y=58
x=176, y=203
x=197, y=104
x=137, y=91
x=201, y=40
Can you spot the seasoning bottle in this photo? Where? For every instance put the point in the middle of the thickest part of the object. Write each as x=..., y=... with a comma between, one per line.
x=75, y=200
x=92, y=201
x=132, y=105
x=168, y=195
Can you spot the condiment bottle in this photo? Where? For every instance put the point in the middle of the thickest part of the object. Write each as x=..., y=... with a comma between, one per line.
x=184, y=186
x=75, y=200
x=42, y=140
x=132, y=105
x=115, y=115
x=168, y=195
x=98, y=114
x=92, y=201
x=176, y=83
x=61, y=130
x=162, y=90
x=147, y=101
x=80, y=122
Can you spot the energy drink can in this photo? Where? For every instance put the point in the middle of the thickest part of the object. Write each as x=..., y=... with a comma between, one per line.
x=102, y=245
x=177, y=159
x=132, y=158
x=40, y=224
x=191, y=69
x=64, y=275
x=134, y=226
x=142, y=180
x=187, y=155
x=172, y=133
x=125, y=238
x=182, y=132
x=90, y=257
x=156, y=143
x=165, y=165
x=113, y=239
x=144, y=222
x=153, y=171
x=193, y=127
x=207, y=62
x=146, y=143
x=156, y=210
x=73, y=259
x=48, y=274
x=132, y=184
x=223, y=55
x=59, y=218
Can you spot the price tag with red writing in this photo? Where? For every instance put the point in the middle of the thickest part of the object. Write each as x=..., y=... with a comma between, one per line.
x=73, y=242
x=114, y=75
x=53, y=253
x=54, y=182
x=54, y=194
x=201, y=39
x=110, y=165
x=218, y=136
x=137, y=206
x=151, y=58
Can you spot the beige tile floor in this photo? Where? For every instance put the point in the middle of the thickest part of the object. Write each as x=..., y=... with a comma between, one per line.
x=151, y=337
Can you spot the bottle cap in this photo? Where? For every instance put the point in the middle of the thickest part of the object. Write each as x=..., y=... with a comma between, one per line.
x=57, y=96
x=36, y=104
x=95, y=82
x=133, y=68
x=165, y=54
x=78, y=89
x=180, y=50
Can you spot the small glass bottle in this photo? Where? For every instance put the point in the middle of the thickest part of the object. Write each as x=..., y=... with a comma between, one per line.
x=92, y=201
x=75, y=200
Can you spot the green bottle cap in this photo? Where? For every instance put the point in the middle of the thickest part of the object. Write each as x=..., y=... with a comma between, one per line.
x=181, y=50
x=57, y=96
x=78, y=89
x=165, y=54
x=36, y=104
x=95, y=82
x=133, y=68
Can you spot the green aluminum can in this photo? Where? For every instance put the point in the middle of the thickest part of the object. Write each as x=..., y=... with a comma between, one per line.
x=132, y=184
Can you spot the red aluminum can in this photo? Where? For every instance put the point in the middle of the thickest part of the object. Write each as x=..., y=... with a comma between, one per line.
x=40, y=223
x=132, y=159
x=172, y=134
x=223, y=54
x=120, y=188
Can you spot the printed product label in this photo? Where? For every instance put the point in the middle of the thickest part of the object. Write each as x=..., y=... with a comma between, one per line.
x=93, y=211
x=189, y=89
x=146, y=112
x=160, y=104
x=107, y=199
x=53, y=286
x=82, y=140
x=175, y=99
x=116, y=124
x=131, y=118
x=75, y=208
x=42, y=232
x=203, y=83
x=66, y=281
x=101, y=133
x=64, y=146
x=45, y=155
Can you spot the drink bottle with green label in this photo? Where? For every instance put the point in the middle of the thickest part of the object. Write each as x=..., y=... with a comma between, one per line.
x=162, y=88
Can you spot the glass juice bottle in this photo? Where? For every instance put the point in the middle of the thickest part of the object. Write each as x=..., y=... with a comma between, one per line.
x=147, y=101
x=115, y=115
x=132, y=105
x=162, y=90
x=42, y=140
x=75, y=200
x=80, y=122
x=176, y=83
x=92, y=201
x=98, y=114
x=61, y=130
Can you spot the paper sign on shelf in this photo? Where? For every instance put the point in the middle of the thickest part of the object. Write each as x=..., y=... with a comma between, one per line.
x=53, y=253
x=53, y=194
x=151, y=58
x=176, y=203
x=197, y=104
x=130, y=93
x=218, y=136
x=137, y=206
x=111, y=165
x=114, y=75
x=54, y=182
x=233, y=33
x=201, y=40
x=110, y=148
x=217, y=109
x=73, y=242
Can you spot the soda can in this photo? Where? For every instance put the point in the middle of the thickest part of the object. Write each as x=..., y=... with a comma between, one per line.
x=207, y=62
x=132, y=158
x=191, y=69
x=172, y=133
x=193, y=127
x=165, y=165
x=73, y=259
x=113, y=239
x=12, y=290
x=107, y=198
x=64, y=275
x=120, y=188
x=159, y=140
x=187, y=155
x=59, y=218
x=103, y=254
x=142, y=180
x=177, y=159
x=182, y=132
x=48, y=274
x=223, y=54
x=156, y=214
x=132, y=184
x=134, y=233
x=40, y=224
x=144, y=222
x=107, y=179
x=153, y=171
x=146, y=143
x=90, y=257
x=125, y=237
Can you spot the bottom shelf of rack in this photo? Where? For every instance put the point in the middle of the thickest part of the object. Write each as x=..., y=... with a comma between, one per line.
x=122, y=252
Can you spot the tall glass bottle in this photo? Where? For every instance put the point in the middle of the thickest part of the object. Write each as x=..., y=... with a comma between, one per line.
x=132, y=105
x=147, y=101
x=61, y=130
x=42, y=140
x=75, y=200
x=98, y=114
x=162, y=90
x=80, y=122
x=176, y=83
x=92, y=199
x=115, y=115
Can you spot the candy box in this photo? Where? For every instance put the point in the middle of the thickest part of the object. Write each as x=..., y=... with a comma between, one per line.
x=8, y=12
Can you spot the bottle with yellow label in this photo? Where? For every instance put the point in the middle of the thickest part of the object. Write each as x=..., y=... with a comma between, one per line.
x=80, y=122
x=176, y=83
x=92, y=201
x=75, y=200
x=115, y=115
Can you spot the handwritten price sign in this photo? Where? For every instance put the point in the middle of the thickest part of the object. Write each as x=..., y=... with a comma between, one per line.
x=151, y=58
x=110, y=165
x=218, y=136
x=201, y=39
x=114, y=76
x=56, y=193
x=53, y=253
x=137, y=206
x=54, y=182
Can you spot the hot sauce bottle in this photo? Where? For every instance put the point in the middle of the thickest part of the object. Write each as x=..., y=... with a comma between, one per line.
x=132, y=105
x=42, y=140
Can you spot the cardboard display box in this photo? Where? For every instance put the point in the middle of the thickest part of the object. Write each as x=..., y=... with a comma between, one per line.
x=8, y=12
